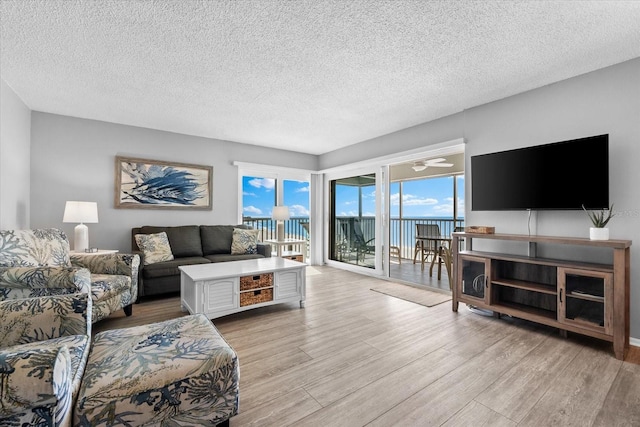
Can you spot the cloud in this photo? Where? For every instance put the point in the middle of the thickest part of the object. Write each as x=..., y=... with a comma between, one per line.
x=298, y=210
x=303, y=189
x=246, y=193
x=411, y=200
x=266, y=183
x=252, y=210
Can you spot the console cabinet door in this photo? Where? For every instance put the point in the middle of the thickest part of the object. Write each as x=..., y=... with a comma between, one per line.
x=473, y=279
x=221, y=294
x=288, y=284
x=585, y=299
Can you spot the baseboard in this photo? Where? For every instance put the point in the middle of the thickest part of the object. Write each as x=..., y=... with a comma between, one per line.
x=634, y=342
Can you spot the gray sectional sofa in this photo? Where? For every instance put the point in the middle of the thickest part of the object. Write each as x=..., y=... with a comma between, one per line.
x=190, y=244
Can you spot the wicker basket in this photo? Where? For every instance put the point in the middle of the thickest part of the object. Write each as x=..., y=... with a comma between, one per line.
x=256, y=297
x=256, y=282
x=298, y=258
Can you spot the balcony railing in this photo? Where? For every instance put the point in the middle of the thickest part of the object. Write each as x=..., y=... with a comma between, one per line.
x=402, y=230
x=294, y=228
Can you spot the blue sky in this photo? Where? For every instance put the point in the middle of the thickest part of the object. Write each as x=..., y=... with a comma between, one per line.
x=431, y=197
x=259, y=197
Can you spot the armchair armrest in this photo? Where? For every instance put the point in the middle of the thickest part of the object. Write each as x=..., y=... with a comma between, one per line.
x=122, y=264
x=37, y=319
x=26, y=282
x=36, y=382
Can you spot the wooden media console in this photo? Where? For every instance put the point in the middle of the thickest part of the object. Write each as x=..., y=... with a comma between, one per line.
x=585, y=298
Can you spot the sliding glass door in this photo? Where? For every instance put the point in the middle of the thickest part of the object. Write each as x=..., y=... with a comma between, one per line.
x=353, y=223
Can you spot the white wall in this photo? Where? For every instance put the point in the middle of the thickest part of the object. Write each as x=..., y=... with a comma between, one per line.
x=604, y=101
x=15, y=137
x=74, y=159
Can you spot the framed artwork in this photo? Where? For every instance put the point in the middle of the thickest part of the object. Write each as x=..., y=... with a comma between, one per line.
x=155, y=184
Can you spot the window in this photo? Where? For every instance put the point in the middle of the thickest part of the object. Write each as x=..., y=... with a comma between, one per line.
x=261, y=193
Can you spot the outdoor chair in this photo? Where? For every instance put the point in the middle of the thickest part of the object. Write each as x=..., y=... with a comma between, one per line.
x=425, y=247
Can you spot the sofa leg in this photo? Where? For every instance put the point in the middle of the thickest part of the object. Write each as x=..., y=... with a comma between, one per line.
x=223, y=424
x=128, y=310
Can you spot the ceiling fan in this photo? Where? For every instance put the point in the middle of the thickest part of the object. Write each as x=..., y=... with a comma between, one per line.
x=423, y=164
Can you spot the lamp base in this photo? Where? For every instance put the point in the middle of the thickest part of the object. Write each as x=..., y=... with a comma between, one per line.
x=280, y=230
x=81, y=238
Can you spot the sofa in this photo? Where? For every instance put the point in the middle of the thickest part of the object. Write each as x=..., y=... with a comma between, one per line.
x=53, y=372
x=189, y=244
x=38, y=262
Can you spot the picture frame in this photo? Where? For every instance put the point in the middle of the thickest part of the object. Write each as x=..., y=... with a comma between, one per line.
x=156, y=184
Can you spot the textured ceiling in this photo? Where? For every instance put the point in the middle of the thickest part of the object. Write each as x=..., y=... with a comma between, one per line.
x=309, y=76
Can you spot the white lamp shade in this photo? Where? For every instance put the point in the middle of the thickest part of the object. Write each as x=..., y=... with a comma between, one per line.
x=280, y=213
x=79, y=212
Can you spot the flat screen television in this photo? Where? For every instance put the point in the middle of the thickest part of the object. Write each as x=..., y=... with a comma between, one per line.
x=561, y=175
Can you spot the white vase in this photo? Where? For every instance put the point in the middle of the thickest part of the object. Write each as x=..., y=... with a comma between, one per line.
x=598, y=233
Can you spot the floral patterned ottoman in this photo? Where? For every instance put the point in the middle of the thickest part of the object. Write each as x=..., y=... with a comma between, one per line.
x=180, y=372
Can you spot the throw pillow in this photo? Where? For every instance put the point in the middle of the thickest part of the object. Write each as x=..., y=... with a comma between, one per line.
x=244, y=241
x=155, y=247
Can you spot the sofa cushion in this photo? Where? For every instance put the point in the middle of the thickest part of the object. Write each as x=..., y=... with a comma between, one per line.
x=216, y=239
x=229, y=257
x=156, y=247
x=244, y=241
x=170, y=268
x=184, y=239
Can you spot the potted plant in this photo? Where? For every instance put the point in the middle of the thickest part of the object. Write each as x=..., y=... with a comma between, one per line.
x=599, y=219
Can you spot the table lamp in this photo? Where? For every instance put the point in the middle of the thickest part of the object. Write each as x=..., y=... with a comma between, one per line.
x=81, y=212
x=280, y=214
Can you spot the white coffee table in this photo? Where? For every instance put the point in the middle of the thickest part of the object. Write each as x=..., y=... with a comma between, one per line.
x=223, y=288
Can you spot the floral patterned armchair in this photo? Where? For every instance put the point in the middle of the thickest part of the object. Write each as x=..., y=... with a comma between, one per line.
x=38, y=262
x=44, y=346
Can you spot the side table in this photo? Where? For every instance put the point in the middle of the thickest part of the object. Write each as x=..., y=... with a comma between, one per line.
x=296, y=255
x=99, y=252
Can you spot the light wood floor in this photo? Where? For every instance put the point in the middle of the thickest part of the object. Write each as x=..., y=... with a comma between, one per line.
x=354, y=357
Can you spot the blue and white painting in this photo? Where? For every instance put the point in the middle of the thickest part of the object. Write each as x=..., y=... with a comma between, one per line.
x=144, y=183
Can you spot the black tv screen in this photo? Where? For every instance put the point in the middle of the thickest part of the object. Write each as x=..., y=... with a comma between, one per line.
x=561, y=175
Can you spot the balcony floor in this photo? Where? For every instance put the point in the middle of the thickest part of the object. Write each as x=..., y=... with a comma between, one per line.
x=407, y=271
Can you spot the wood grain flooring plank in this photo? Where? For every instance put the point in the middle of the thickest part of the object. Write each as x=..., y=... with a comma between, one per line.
x=578, y=392
x=284, y=410
x=439, y=401
x=516, y=392
x=331, y=343
x=271, y=365
x=475, y=414
x=374, y=399
x=340, y=384
x=622, y=405
x=256, y=393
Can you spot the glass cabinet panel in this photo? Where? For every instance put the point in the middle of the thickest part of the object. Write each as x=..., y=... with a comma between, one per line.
x=473, y=280
x=584, y=298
